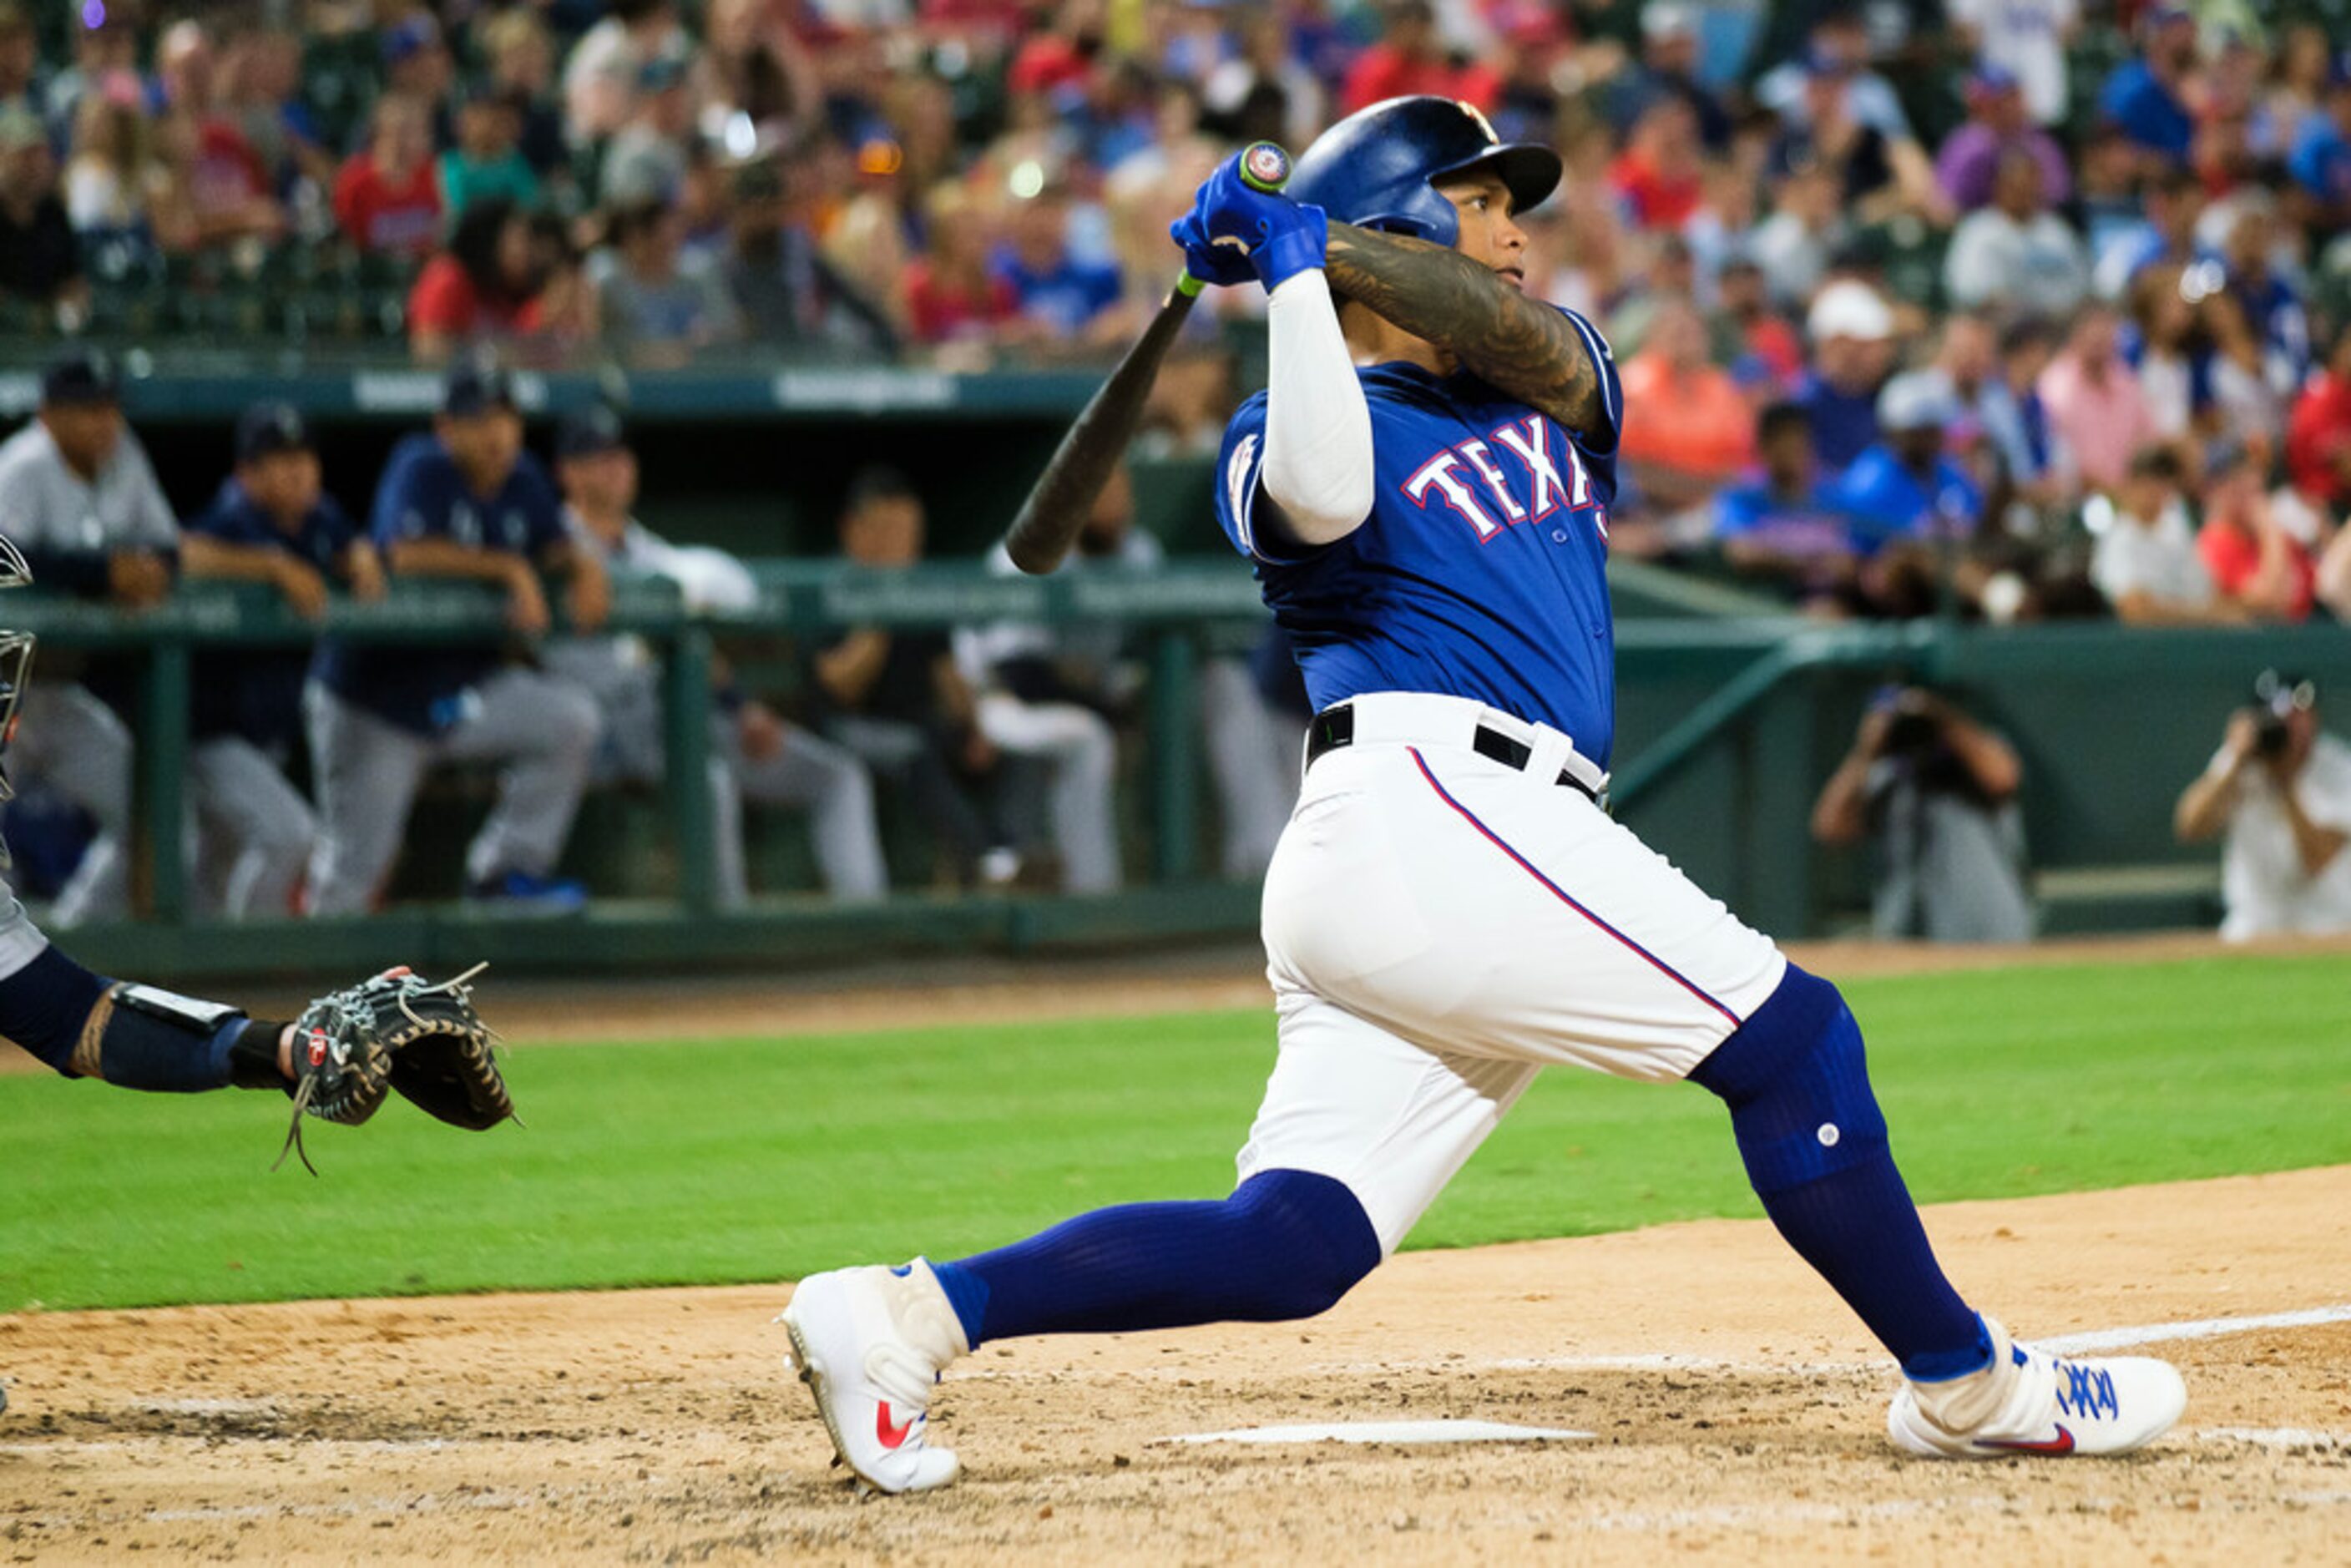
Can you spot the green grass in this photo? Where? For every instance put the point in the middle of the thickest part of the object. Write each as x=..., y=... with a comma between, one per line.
x=707, y=1160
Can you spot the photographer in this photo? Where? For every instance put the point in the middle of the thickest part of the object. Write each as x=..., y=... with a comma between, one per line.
x=1937, y=793
x=2280, y=791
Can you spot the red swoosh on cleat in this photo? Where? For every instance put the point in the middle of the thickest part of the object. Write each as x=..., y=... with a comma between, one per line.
x=891, y=1437
x=2062, y=1443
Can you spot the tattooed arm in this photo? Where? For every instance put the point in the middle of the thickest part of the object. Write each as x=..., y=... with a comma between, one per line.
x=1522, y=346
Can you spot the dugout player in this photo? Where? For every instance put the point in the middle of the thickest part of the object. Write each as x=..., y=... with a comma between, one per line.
x=464, y=503
x=755, y=755
x=79, y=499
x=1451, y=908
x=272, y=523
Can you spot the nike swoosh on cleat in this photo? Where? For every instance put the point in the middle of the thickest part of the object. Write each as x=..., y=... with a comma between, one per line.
x=891, y=1436
x=2062, y=1443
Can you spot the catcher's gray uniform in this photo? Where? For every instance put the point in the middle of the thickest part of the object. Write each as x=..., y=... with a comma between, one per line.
x=66, y=737
x=805, y=771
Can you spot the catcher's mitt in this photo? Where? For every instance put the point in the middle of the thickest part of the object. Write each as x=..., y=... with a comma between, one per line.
x=411, y=1034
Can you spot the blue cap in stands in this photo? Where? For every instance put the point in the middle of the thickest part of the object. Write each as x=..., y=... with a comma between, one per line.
x=1990, y=76
x=589, y=433
x=413, y=36
x=82, y=377
x=474, y=387
x=268, y=428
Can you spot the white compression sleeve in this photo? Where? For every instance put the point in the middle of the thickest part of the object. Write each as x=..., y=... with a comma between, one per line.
x=1318, y=431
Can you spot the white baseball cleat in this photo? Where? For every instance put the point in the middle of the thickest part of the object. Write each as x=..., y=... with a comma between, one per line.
x=870, y=1344
x=2031, y=1402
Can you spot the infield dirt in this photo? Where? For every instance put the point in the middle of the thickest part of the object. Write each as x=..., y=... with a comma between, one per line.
x=658, y=1425
x=1736, y=1409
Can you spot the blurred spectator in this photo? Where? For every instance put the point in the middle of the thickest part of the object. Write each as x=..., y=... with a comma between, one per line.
x=658, y=303
x=490, y=282
x=520, y=59
x=1760, y=348
x=1807, y=226
x=1967, y=165
x=2027, y=39
x=2245, y=546
x=416, y=60
x=2268, y=295
x=897, y=700
x=602, y=78
x=647, y=158
x=2320, y=162
x=487, y=160
x=387, y=197
x=1048, y=696
x=755, y=755
x=1784, y=528
x=952, y=295
x=1659, y=177
x=785, y=290
x=83, y=506
x=2146, y=96
x=1679, y=461
x=109, y=51
x=2094, y=402
x=1851, y=331
x=2030, y=453
x=2145, y=561
x=1410, y=58
x=1667, y=69
x=1838, y=51
x=40, y=262
x=227, y=189
x=1264, y=93
x=118, y=188
x=1057, y=294
x=466, y=503
x=1876, y=171
x=1904, y=488
x=261, y=90
x=2278, y=793
x=2200, y=369
x=2318, y=433
x=754, y=68
x=2016, y=252
x=1935, y=791
x=21, y=87
x=272, y=524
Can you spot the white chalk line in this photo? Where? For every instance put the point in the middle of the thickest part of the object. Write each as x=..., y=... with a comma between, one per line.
x=2202, y=1328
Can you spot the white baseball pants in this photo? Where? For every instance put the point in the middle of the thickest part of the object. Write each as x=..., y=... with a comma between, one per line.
x=1440, y=925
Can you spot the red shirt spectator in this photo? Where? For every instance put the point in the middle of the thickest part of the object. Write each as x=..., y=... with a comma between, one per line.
x=941, y=306
x=1661, y=175
x=388, y=197
x=1047, y=62
x=2253, y=560
x=1410, y=59
x=2318, y=434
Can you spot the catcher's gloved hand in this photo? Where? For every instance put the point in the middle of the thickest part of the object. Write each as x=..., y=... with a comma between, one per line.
x=397, y=1031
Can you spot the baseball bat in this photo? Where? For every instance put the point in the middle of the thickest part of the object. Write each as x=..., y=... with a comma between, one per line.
x=1057, y=504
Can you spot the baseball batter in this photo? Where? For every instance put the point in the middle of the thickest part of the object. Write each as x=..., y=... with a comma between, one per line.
x=1424, y=489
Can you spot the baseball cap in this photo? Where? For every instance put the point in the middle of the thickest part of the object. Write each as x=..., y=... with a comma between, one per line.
x=80, y=378
x=411, y=37
x=1848, y=308
x=268, y=428
x=477, y=388
x=1992, y=77
x=1917, y=400
x=590, y=432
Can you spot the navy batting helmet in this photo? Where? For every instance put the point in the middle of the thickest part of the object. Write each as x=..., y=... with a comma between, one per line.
x=1378, y=167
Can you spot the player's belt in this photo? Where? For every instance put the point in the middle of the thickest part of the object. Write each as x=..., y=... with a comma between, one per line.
x=1334, y=726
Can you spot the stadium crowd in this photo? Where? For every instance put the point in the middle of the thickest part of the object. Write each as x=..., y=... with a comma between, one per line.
x=2003, y=308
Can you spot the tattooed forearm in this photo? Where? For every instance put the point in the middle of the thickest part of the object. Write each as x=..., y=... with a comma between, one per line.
x=1523, y=347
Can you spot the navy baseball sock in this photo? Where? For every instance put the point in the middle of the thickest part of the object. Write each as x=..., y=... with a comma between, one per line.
x=1286, y=1244
x=1816, y=1147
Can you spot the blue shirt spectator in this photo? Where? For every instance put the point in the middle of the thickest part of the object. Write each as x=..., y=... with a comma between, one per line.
x=2320, y=159
x=256, y=694
x=1844, y=422
x=423, y=495
x=1887, y=496
x=1055, y=288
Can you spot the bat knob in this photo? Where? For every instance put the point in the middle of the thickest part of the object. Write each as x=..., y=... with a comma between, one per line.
x=1265, y=166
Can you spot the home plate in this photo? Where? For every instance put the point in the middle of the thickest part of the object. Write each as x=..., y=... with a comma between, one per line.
x=1388, y=1432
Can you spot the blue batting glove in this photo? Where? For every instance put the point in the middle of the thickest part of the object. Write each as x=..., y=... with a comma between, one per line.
x=1283, y=237
x=1224, y=265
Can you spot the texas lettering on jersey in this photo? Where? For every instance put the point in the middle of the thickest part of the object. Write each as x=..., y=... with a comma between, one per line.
x=1467, y=477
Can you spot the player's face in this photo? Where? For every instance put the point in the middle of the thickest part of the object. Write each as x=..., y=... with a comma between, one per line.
x=604, y=481
x=1489, y=234
x=885, y=532
x=483, y=446
x=85, y=433
x=284, y=483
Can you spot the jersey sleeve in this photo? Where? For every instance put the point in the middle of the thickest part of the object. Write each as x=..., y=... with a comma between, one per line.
x=405, y=506
x=1601, y=442
x=1239, y=464
x=542, y=509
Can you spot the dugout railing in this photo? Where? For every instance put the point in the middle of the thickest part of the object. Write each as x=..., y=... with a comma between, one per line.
x=1728, y=726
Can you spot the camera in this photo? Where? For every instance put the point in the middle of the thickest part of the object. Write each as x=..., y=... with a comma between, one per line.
x=2270, y=737
x=2276, y=698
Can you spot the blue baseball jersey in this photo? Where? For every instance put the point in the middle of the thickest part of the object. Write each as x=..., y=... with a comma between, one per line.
x=256, y=694
x=422, y=495
x=1482, y=571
